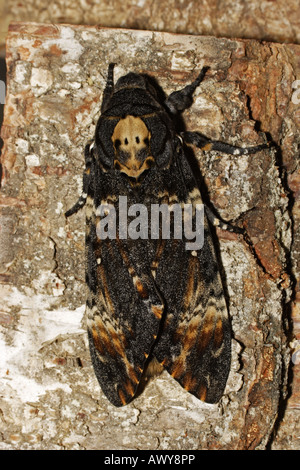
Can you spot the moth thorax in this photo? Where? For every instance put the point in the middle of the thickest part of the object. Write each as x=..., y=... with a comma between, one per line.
x=131, y=141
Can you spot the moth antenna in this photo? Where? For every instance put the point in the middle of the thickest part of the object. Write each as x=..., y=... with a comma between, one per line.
x=109, y=88
x=180, y=100
x=192, y=87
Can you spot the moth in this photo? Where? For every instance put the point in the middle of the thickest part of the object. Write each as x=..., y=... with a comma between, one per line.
x=151, y=299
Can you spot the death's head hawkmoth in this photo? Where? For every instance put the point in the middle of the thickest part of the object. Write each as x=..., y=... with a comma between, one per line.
x=155, y=291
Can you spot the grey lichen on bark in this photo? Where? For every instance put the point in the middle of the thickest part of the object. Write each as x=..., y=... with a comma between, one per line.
x=56, y=76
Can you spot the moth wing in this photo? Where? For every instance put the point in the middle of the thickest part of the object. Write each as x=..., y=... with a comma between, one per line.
x=124, y=311
x=195, y=342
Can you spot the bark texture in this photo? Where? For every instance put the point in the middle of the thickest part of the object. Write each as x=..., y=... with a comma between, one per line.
x=266, y=20
x=50, y=398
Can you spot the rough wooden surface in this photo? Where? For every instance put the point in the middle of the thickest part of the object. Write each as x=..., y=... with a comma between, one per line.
x=265, y=20
x=50, y=397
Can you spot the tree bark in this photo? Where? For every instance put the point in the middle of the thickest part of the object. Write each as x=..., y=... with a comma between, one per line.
x=56, y=76
x=270, y=21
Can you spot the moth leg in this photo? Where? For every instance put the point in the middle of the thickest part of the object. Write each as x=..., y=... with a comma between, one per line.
x=182, y=99
x=217, y=222
x=85, y=183
x=206, y=144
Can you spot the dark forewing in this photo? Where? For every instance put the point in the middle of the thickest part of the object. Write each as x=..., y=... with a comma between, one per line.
x=124, y=311
x=157, y=298
x=195, y=342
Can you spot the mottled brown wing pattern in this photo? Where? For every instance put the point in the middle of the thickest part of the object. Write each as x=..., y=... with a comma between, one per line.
x=169, y=306
x=124, y=311
x=195, y=341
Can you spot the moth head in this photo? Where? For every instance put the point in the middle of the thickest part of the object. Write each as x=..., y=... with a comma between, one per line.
x=131, y=80
x=134, y=131
x=131, y=142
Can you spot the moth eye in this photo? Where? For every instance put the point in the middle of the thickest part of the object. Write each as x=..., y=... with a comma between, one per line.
x=117, y=143
x=146, y=141
x=137, y=139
